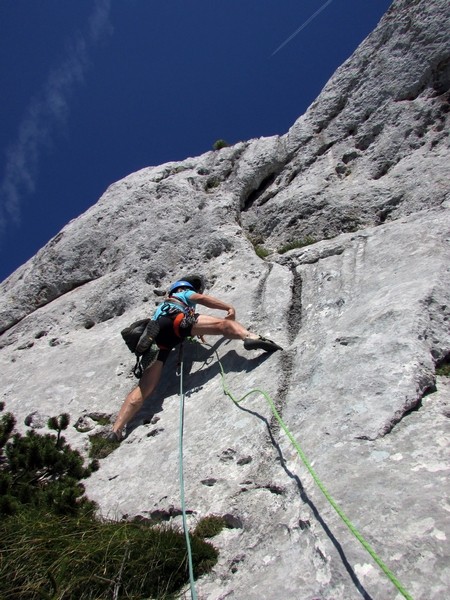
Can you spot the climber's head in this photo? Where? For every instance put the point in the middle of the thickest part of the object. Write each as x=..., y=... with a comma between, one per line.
x=196, y=281
x=181, y=284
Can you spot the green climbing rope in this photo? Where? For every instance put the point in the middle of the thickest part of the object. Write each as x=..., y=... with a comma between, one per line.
x=322, y=488
x=182, y=495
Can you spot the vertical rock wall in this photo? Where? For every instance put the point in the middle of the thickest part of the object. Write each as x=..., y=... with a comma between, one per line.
x=358, y=189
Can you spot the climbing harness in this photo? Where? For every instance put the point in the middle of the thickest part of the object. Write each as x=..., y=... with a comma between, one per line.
x=181, y=476
x=182, y=315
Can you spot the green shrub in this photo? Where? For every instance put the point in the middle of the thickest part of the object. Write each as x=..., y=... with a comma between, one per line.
x=59, y=424
x=51, y=544
x=306, y=241
x=219, y=144
x=41, y=470
x=7, y=423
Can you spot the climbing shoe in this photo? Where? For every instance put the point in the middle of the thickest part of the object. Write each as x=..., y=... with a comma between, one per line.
x=148, y=337
x=114, y=437
x=261, y=343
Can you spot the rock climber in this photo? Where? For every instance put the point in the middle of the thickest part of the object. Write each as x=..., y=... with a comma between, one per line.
x=174, y=320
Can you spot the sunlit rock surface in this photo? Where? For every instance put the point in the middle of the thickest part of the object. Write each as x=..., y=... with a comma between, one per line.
x=359, y=188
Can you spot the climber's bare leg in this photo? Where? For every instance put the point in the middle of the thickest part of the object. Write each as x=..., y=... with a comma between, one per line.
x=208, y=325
x=135, y=399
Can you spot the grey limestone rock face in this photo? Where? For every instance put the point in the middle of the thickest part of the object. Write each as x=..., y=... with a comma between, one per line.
x=359, y=190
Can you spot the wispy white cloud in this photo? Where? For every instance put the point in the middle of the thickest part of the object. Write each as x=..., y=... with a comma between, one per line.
x=302, y=26
x=46, y=113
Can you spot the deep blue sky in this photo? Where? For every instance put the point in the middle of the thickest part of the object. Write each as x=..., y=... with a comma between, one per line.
x=92, y=90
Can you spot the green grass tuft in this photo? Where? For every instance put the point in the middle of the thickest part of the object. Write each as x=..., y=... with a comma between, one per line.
x=209, y=526
x=306, y=241
x=212, y=183
x=443, y=370
x=101, y=447
x=45, y=556
x=101, y=419
x=261, y=251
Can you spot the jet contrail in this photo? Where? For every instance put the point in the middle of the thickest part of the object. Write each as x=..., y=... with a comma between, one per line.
x=305, y=24
x=47, y=110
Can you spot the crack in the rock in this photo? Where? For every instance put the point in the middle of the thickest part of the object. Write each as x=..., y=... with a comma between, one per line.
x=271, y=487
x=399, y=415
x=46, y=296
x=294, y=316
x=256, y=193
x=407, y=410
